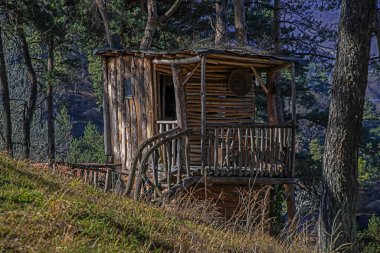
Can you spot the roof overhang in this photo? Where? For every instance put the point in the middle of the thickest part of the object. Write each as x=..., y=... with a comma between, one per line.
x=241, y=58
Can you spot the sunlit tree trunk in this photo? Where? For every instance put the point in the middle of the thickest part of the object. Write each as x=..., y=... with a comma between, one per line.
x=104, y=14
x=153, y=20
x=240, y=22
x=340, y=160
x=221, y=22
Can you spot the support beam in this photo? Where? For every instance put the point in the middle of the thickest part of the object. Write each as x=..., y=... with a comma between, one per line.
x=106, y=113
x=179, y=91
x=290, y=203
x=203, y=114
x=188, y=76
x=188, y=60
x=258, y=78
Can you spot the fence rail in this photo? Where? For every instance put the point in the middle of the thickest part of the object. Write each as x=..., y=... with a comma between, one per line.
x=250, y=150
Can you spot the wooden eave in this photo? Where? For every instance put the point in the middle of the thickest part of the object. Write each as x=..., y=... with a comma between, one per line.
x=222, y=58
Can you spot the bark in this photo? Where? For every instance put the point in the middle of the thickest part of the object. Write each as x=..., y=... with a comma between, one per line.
x=153, y=20
x=340, y=168
x=6, y=100
x=240, y=23
x=104, y=14
x=50, y=104
x=277, y=26
x=376, y=27
x=150, y=26
x=221, y=22
x=31, y=105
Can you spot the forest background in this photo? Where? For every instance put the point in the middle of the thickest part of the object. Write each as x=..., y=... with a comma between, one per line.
x=55, y=81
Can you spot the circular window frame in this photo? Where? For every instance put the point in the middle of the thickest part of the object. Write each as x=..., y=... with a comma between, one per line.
x=240, y=82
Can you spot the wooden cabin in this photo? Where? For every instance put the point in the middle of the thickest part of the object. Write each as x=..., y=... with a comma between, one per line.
x=175, y=118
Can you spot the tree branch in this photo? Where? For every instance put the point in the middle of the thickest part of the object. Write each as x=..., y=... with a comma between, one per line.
x=169, y=12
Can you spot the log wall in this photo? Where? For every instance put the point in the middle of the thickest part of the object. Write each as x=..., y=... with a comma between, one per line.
x=130, y=120
x=221, y=107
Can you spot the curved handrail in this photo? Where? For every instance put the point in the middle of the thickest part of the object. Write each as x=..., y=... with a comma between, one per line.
x=139, y=153
x=144, y=160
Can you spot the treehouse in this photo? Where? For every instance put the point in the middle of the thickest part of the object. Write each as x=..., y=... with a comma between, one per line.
x=178, y=118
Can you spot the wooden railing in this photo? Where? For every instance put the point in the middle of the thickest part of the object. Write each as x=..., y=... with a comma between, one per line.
x=171, y=149
x=166, y=125
x=156, y=173
x=162, y=163
x=250, y=150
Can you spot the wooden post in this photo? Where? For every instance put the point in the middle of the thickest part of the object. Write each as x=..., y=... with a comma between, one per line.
x=121, y=112
x=290, y=203
x=203, y=113
x=106, y=115
x=180, y=97
x=108, y=182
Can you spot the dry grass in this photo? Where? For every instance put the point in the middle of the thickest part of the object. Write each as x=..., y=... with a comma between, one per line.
x=42, y=212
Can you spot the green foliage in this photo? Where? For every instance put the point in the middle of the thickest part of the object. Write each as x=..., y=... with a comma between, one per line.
x=316, y=150
x=89, y=147
x=369, y=239
x=369, y=152
x=63, y=137
x=95, y=71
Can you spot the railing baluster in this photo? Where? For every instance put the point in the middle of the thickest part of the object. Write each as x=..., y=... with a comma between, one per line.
x=169, y=170
x=252, y=161
x=261, y=151
x=233, y=152
x=208, y=166
x=222, y=151
x=187, y=156
x=173, y=152
x=179, y=160
x=246, y=171
x=270, y=160
x=240, y=151
x=227, y=151
x=155, y=172
x=216, y=172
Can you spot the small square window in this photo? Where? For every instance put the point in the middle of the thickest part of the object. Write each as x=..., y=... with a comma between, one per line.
x=128, y=88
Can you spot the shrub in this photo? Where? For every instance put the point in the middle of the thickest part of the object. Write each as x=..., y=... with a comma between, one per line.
x=369, y=239
x=89, y=147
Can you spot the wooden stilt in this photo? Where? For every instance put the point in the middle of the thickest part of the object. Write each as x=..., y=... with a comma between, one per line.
x=290, y=202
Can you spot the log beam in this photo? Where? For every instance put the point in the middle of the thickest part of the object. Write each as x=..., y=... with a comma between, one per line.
x=188, y=60
x=180, y=97
x=259, y=80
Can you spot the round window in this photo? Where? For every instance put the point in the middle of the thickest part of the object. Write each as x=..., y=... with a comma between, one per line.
x=240, y=82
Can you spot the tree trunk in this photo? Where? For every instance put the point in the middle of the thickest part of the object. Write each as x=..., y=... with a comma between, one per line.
x=240, y=23
x=221, y=22
x=376, y=27
x=104, y=14
x=30, y=108
x=6, y=100
x=340, y=168
x=150, y=26
x=153, y=20
x=50, y=104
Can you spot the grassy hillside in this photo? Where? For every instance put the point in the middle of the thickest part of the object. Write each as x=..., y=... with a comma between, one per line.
x=49, y=213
